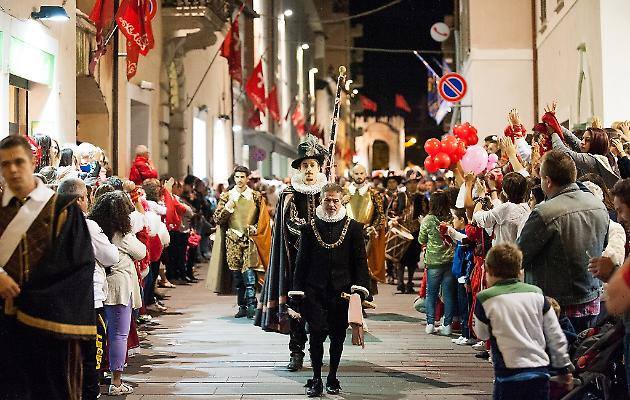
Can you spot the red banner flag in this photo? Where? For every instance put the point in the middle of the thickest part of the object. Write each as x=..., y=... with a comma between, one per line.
x=272, y=104
x=134, y=20
x=368, y=104
x=402, y=103
x=298, y=119
x=102, y=15
x=254, y=120
x=231, y=50
x=255, y=87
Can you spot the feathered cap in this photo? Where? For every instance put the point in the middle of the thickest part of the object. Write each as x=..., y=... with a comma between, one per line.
x=310, y=148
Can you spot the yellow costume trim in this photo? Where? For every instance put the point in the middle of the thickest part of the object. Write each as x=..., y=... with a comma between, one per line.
x=57, y=327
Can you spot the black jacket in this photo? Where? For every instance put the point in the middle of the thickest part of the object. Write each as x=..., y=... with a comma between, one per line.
x=331, y=270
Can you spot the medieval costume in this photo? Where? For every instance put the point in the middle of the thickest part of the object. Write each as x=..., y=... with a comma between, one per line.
x=296, y=208
x=45, y=248
x=243, y=242
x=365, y=205
x=409, y=208
x=389, y=197
x=331, y=260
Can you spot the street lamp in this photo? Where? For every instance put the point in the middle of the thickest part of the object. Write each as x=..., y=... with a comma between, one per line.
x=288, y=12
x=305, y=46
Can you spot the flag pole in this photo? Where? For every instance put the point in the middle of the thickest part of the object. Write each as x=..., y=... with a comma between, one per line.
x=115, y=73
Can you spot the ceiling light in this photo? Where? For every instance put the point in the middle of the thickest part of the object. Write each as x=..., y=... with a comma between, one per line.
x=51, y=13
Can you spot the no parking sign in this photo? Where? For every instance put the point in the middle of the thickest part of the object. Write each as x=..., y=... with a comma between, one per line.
x=452, y=87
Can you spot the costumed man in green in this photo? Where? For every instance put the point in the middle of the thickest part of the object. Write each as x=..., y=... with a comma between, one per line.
x=46, y=283
x=295, y=209
x=244, y=220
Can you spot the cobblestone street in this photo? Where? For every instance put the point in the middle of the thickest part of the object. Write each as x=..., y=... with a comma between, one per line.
x=199, y=351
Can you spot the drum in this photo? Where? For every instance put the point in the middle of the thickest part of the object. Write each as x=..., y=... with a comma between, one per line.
x=398, y=239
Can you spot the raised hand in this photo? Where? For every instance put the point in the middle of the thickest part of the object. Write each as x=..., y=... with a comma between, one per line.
x=513, y=118
x=551, y=108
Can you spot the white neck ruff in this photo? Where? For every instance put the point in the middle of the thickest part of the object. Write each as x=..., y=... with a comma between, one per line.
x=353, y=187
x=321, y=214
x=297, y=181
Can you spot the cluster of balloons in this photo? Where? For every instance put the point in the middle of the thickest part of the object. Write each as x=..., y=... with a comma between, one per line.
x=446, y=153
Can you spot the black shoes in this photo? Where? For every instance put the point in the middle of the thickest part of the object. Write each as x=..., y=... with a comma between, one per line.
x=295, y=363
x=251, y=311
x=242, y=312
x=410, y=289
x=333, y=386
x=314, y=387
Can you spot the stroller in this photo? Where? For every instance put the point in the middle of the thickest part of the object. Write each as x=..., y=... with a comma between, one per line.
x=597, y=355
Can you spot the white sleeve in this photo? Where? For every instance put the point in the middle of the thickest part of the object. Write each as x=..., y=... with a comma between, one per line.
x=523, y=149
x=556, y=340
x=164, y=236
x=485, y=219
x=104, y=251
x=134, y=247
x=616, y=249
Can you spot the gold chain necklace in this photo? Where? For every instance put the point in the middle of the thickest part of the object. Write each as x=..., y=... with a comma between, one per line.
x=331, y=245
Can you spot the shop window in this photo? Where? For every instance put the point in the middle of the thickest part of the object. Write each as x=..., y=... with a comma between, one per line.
x=18, y=105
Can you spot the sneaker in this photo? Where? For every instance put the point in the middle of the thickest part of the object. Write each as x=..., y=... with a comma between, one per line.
x=459, y=339
x=446, y=330
x=479, y=346
x=429, y=329
x=462, y=341
x=121, y=390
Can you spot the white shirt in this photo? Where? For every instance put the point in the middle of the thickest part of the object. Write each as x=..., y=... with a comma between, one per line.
x=505, y=219
x=106, y=254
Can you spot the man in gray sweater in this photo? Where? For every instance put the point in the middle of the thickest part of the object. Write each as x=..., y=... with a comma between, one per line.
x=560, y=237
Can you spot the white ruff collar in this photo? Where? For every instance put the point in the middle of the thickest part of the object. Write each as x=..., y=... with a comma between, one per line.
x=297, y=181
x=341, y=214
x=247, y=194
x=352, y=188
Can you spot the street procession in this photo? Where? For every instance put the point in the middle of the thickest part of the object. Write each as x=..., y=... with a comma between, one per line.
x=288, y=199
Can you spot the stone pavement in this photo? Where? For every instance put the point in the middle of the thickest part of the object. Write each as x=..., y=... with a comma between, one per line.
x=198, y=351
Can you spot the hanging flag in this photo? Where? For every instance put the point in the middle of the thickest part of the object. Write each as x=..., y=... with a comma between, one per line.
x=298, y=119
x=286, y=116
x=316, y=130
x=254, y=120
x=102, y=15
x=272, y=104
x=134, y=20
x=433, y=98
x=402, y=103
x=231, y=50
x=255, y=87
x=368, y=104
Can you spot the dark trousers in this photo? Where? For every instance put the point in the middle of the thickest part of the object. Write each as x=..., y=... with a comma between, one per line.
x=176, y=265
x=400, y=275
x=464, y=300
x=191, y=259
x=297, y=336
x=149, y=283
x=93, y=352
x=522, y=390
x=337, y=337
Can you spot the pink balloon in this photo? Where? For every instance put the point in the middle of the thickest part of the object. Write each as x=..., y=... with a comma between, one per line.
x=492, y=162
x=475, y=160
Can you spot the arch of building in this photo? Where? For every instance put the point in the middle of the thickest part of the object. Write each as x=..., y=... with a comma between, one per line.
x=384, y=132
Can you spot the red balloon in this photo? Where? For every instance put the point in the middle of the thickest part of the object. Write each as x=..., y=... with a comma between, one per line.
x=472, y=138
x=449, y=145
x=461, y=148
x=432, y=146
x=430, y=165
x=442, y=160
x=458, y=130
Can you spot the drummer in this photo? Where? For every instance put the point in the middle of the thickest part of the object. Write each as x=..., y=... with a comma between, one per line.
x=408, y=209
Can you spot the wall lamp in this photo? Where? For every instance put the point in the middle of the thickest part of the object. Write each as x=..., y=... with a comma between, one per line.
x=51, y=13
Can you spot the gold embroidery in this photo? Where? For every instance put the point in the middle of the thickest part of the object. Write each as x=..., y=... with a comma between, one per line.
x=57, y=327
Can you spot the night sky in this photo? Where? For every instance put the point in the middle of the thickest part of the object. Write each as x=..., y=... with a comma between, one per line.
x=403, y=26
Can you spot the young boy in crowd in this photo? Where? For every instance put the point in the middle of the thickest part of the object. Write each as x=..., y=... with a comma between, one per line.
x=461, y=269
x=520, y=324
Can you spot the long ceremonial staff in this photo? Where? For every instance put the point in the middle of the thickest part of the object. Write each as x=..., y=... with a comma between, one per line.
x=330, y=165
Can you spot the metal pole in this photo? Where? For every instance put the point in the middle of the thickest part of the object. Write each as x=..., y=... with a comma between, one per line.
x=115, y=98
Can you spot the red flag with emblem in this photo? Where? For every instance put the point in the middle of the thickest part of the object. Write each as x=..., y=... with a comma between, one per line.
x=231, y=50
x=298, y=119
x=254, y=119
x=134, y=20
x=102, y=15
x=402, y=103
x=272, y=104
x=255, y=87
x=368, y=104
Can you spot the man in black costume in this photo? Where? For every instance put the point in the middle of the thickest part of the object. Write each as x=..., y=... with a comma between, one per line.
x=331, y=260
x=409, y=208
x=46, y=283
x=295, y=208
